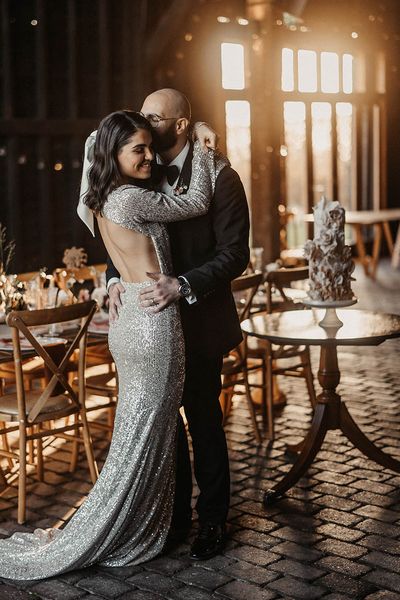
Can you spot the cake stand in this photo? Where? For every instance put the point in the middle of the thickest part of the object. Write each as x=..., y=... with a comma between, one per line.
x=330, y=319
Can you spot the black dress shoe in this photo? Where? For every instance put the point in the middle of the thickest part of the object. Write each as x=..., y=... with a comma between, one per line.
x=209, y=541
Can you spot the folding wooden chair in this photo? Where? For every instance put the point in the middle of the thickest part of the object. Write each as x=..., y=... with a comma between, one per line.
x=37, y=412
x=271, y=355
x=235, y=366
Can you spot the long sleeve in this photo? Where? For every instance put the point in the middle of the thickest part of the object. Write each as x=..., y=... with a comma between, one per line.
x=129, y=206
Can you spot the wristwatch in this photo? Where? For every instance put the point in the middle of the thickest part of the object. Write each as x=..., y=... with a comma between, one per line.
x=184, y=288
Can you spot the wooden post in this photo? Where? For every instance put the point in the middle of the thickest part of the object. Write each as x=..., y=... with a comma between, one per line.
x=265, y=131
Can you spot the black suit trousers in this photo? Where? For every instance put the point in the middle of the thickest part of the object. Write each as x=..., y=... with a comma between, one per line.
x=211, y=466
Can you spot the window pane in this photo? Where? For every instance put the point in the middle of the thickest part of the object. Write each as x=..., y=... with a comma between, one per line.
x=329, y=72
x=345, y=155
x=232, y=65
x=294, y=115
x=287, y=70
x=307, y=69
x=321, y=113
x=347, y=73
x=237, y=115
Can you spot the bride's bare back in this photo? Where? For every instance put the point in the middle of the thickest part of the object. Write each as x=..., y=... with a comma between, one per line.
x=131, y=252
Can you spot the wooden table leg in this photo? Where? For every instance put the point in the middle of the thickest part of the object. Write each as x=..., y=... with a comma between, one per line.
x=362, y=253
x=376, y=249
x=396, y=251
x=330, y=413
x=326, y=416
x=360, y=441
x=388, y=236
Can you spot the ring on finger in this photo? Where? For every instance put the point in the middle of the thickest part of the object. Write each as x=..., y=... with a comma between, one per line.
x=154, y=302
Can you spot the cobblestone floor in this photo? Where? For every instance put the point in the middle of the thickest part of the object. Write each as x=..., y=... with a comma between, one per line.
x=335, y=536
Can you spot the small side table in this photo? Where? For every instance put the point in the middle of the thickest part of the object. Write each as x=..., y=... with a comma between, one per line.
x=360, y=328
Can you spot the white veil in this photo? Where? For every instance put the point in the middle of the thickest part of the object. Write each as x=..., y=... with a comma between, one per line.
x=84, y=211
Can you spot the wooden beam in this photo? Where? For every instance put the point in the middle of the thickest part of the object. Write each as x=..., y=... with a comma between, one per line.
x=50, y=127
x=72, y=61
x=135, y=71
x=266, y=128
x=6, y=61
x=167, y=31
x=104, y=57
x=41, y=62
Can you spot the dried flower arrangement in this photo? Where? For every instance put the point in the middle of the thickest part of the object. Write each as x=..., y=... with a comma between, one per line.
x=12, y=291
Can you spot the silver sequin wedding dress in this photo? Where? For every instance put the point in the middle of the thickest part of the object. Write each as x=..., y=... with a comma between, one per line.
x=125, y=518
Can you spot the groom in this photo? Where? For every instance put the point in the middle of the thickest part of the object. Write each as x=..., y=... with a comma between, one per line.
x=208, y=252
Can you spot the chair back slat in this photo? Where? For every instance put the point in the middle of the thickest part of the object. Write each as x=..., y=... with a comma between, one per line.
x=47, y=316
x=249, y=284
x=20, y=321
x=281, y=278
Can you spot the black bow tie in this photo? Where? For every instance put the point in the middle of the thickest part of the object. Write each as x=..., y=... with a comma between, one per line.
x=171, y=172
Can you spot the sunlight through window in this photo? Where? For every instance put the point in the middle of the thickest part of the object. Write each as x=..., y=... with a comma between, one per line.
x=307, y=70
x=347, y=64
x=294, y=116
x=345, y=149
x=329, y=72
x=321, y=114
x=232, y=65
x=238, y=138
x=287, y=82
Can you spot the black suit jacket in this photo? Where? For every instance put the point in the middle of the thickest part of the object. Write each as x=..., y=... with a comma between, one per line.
x=210, y=251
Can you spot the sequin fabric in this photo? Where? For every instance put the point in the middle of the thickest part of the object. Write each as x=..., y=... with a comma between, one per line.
x=126, y=516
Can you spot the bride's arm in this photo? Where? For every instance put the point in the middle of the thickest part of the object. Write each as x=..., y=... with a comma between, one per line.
x=130, y=205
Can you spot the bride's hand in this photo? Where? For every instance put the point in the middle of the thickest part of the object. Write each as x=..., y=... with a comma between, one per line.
x=161, y=294
x=207, y=137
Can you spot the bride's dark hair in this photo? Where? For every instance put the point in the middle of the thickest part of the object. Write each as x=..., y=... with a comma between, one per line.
x=104, y=175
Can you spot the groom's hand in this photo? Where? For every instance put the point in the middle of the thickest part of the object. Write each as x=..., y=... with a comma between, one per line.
x=161, y=294
x=114, y=293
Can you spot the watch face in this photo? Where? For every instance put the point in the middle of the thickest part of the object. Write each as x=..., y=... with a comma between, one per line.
x=184, y=289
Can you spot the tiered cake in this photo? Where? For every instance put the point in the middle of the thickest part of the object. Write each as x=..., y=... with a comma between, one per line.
x=330, y=263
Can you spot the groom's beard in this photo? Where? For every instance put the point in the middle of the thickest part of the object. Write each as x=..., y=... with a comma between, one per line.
x=165, y=140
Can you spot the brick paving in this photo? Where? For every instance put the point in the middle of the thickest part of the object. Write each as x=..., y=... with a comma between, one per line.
x=336, y=535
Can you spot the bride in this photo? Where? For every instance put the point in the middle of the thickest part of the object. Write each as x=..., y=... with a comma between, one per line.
x=125, y=518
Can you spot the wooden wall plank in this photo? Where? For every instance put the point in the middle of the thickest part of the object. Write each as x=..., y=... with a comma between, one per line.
x=7, y=110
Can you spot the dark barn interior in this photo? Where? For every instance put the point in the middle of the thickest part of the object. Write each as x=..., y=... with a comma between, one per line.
x=304, y=95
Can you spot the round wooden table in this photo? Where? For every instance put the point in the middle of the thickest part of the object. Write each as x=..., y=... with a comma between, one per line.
x=360, y=328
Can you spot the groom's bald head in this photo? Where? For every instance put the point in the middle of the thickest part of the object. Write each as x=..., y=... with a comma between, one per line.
x=167, y=103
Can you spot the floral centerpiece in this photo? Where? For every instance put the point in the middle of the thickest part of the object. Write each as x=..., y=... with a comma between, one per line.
x=12, y=291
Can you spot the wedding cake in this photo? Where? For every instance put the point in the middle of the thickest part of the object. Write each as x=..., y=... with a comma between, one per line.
x=330, y=263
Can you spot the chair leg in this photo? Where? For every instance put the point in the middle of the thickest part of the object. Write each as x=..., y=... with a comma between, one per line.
x=39, y=456
x=6, y=445
x=252, y=409
x=94, y=473
x=22, y=476
x=3, y=480
x=31, y=447
x=306, y=361
x=110, y=420
x=264, y=394
x=75, y=447
x=225, y=398
x=270, y=397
